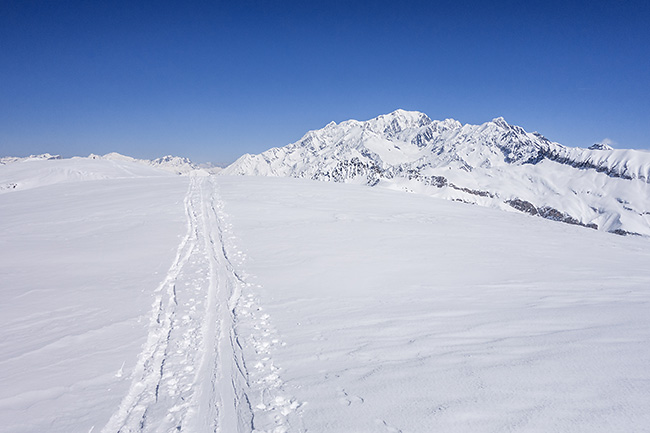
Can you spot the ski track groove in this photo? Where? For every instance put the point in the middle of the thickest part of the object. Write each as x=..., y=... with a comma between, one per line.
x=192, y=374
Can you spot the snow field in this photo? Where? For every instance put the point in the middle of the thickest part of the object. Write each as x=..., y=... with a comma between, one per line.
x=78, y=264
x=399, y=312
x=240, y=304
x=191, y=375
x=105, y=335
x=29, y=174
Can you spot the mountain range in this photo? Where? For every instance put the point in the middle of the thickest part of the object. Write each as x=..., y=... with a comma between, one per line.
x=174, y=164
x=494, y=164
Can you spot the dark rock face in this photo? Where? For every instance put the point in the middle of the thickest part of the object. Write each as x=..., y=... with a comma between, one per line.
x=523, y=206
x=622, y=232
x=600, y=146
x=349, y=169
x=472, y=191
x=587, y=164
x=548, y=213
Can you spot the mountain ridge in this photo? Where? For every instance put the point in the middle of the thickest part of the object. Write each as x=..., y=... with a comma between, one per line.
x=175, y=164
x=494, y=164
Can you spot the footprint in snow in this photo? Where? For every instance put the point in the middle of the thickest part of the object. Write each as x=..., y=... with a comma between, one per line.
x=388, y=427
x=349, y=400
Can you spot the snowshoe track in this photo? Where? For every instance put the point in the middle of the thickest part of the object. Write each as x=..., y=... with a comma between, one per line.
x=190, y=375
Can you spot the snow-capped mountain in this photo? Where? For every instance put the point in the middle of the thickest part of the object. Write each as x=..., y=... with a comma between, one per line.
x=175, y=164
x=494, y=164
x=11, y=159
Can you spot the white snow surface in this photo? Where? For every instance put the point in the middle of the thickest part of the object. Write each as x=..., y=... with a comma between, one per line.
x=174, y=164
x=46, y=169
x=494, y=164
x=79, y=263
x=33, y=173
x=12, y=159
x=240, y=304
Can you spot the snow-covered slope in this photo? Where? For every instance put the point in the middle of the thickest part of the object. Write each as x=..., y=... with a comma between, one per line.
x=174, y=164
x=494, y=164
x=218, y=303
x=12, y=159
x=80, y=262
x=392, y=312
x=40, y=170
x=32, y=173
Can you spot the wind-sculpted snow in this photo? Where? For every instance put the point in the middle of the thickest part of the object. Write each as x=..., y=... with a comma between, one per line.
x=400, y=313
x=232, y=304
x=493, y=164
x=205, y=360
x=78, y=263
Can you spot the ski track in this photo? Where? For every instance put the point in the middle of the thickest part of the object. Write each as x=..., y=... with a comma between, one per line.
x=205, y=329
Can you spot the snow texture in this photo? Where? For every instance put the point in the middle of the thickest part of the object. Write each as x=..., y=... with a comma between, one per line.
x=147, y=302
x=39, y=170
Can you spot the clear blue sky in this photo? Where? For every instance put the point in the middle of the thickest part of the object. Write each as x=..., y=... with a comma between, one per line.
x=212, y=80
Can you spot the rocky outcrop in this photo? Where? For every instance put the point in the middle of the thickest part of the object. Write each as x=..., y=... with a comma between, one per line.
x=547, y=212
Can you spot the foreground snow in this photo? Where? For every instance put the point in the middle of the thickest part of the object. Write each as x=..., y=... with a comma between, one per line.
x=404, y=313
x=170, y=303
x=79, y=262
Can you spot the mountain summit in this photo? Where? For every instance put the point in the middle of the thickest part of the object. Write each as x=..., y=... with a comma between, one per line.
x=495, y=164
